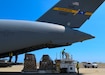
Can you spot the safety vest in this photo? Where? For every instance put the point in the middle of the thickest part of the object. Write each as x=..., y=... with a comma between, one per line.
x=10, y=54
x=77, y=65
x=63, y=51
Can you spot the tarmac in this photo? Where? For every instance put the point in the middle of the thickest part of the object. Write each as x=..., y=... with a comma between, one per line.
x=16, y=70
x=17, y=73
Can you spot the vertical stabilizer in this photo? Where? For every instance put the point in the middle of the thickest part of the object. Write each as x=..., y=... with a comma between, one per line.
x=72, y=13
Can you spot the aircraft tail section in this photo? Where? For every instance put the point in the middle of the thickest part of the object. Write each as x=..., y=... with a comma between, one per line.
x=72, y=13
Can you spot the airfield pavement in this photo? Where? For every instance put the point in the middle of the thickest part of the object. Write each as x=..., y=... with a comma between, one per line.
x=16, y=70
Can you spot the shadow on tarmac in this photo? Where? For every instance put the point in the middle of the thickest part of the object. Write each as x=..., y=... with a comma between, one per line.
x=19, y=73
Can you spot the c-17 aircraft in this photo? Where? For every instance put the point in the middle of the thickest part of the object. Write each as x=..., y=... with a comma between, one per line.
x=55, y=28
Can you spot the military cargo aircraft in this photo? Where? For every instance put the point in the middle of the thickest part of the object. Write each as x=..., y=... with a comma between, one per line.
x=56, y=28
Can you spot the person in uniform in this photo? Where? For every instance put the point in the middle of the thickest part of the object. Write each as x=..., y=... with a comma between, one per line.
x=77, y=66
x=16, y=58
x=63, y=52
x=10, y=56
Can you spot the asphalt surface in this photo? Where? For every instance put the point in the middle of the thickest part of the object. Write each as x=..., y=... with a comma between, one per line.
x=19, y=73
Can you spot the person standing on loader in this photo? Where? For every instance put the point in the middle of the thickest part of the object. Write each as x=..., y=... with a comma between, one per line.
x=63, y=53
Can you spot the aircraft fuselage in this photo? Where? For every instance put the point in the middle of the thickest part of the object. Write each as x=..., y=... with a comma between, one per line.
x=18, y=35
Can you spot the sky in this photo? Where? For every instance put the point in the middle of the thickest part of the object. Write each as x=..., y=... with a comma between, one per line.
x=90, y=50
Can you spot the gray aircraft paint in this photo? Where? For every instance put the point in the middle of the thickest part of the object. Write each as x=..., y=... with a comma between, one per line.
x=54, y=29
x=15, y=34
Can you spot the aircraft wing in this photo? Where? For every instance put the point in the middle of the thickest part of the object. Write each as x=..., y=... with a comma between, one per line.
x=72, y=13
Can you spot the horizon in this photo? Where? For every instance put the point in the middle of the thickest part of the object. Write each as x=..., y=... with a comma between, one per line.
x=89, y=50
